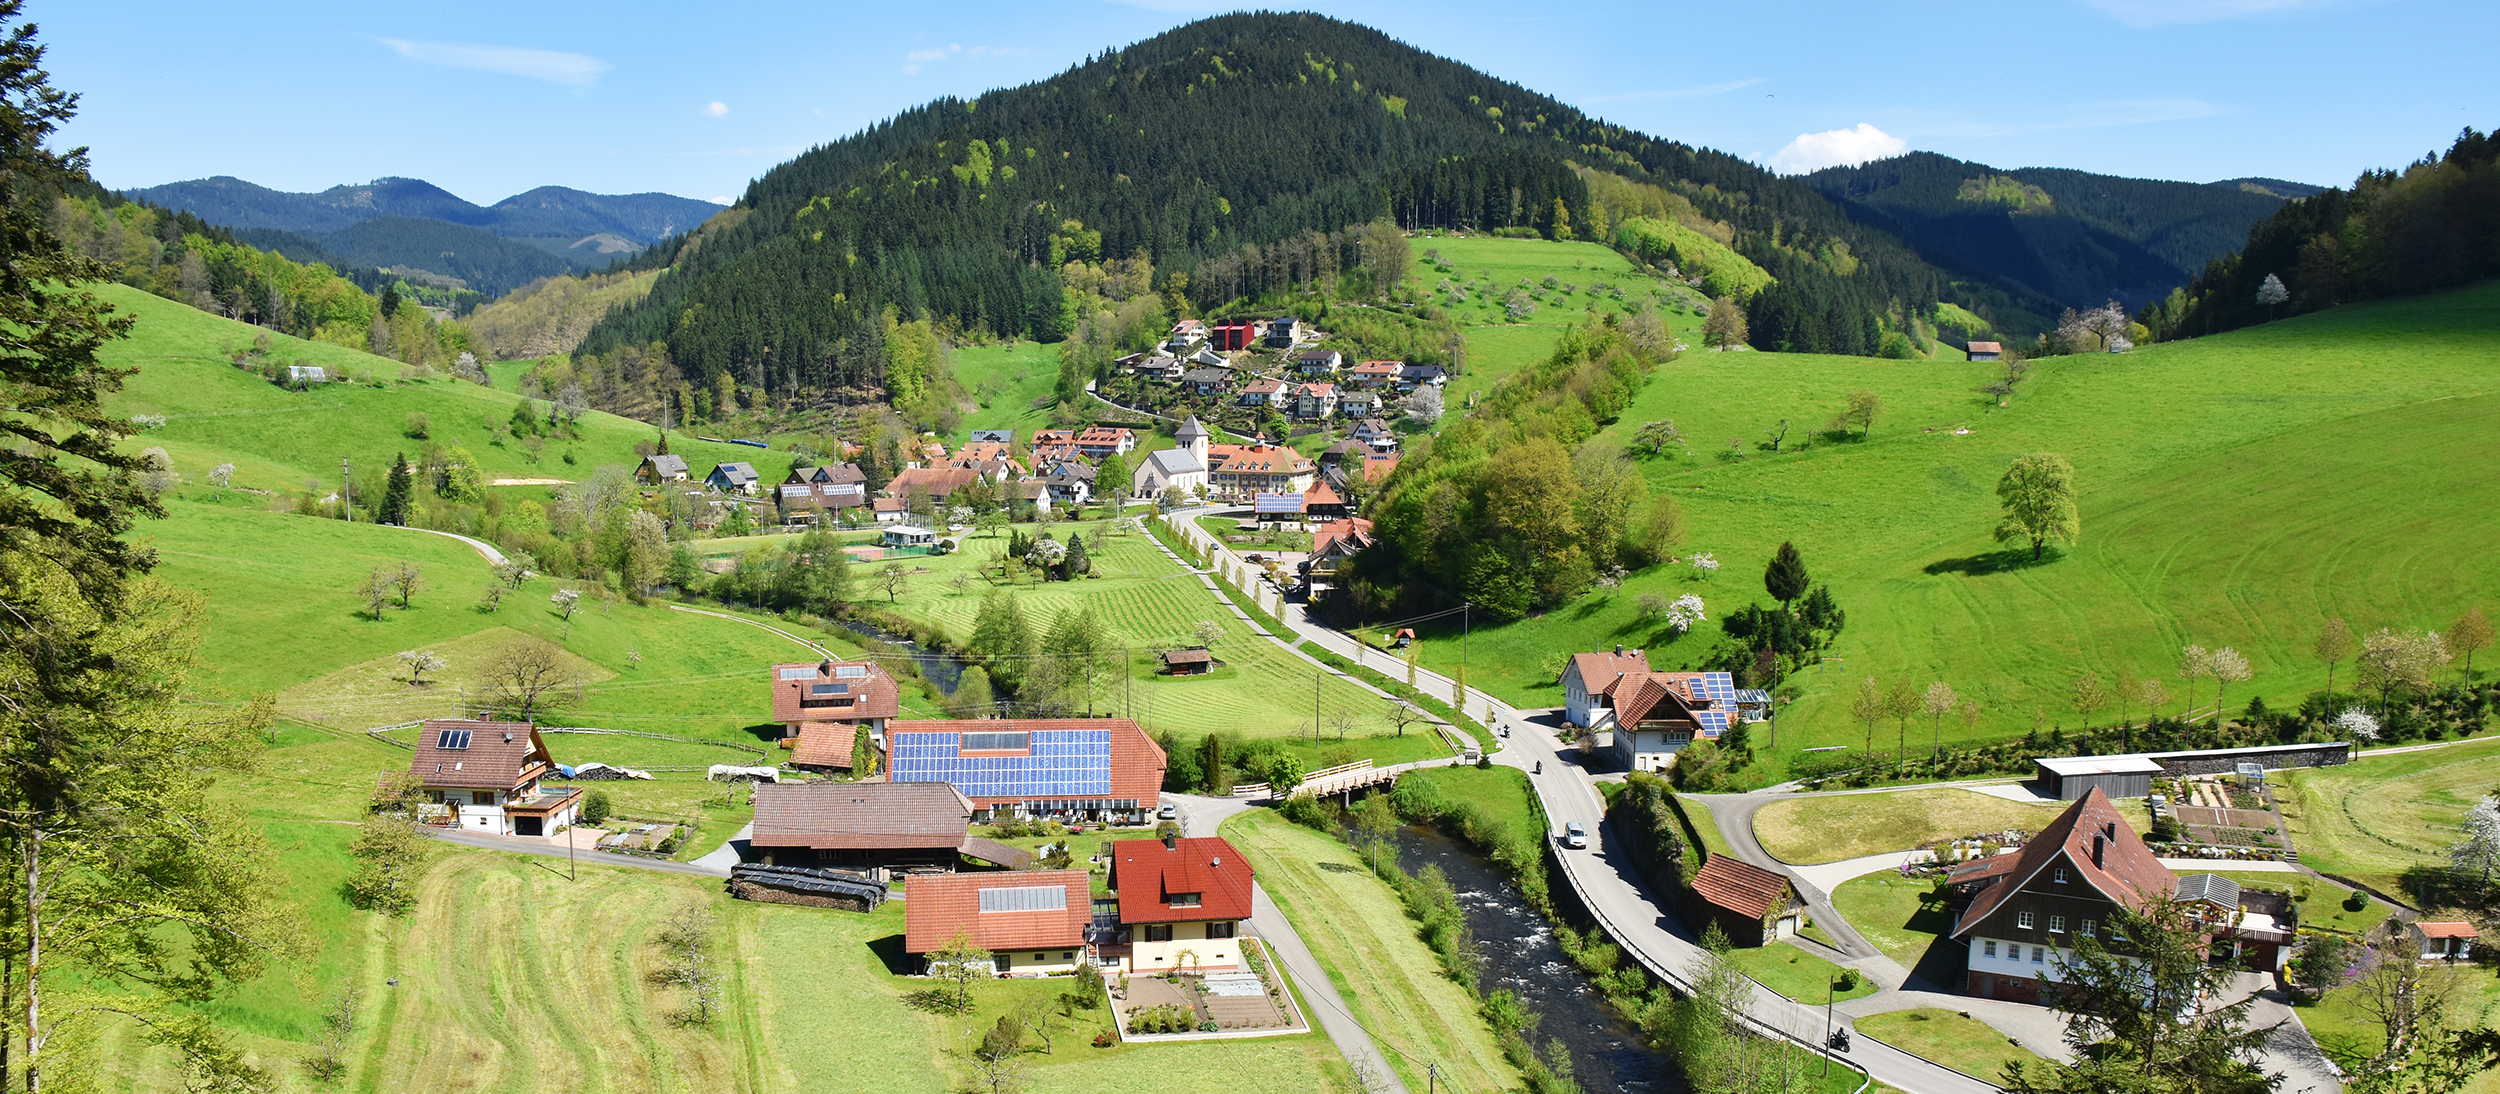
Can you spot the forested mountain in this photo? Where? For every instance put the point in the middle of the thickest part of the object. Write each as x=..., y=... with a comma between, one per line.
x=416, y=228
x=2432, y=225
x=1232, y=131
x=2051, y=238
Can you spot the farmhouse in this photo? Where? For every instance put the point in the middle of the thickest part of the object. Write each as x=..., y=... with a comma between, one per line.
x=484, y=777
x=1184, y=467
x=658, y=469
x=862, y=825
x=1754, y=906
x=1077, y=768
x=1033, y=922
x=1333, y=544
x=1181, y=904
x=1591, y=678
x=1658, y=714
x=732, y=478
x=853, y=693
x=2027, y=909
x=939, y=483
x=814, y=494
x=1278, y=508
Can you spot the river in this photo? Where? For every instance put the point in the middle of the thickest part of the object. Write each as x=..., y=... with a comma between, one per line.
x=1520, y=954
x=940, y=669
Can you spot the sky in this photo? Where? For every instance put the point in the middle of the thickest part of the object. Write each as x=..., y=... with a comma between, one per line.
x=624, y=96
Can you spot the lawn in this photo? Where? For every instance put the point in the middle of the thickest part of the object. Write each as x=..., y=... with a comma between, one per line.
x=1831, y=827
x=1502, y=792
x=2376, y=818
x=1904, y=917
x=1794, y=973
x=2232, y=491
x=279, y=440
x=1011, y=382
x=1362, y=937
x=1498, y=347
x=1962, y=1043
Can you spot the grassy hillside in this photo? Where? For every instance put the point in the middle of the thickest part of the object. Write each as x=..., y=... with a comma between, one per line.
x=2235, y=490
x=1485, y=269
x=1011, y=382
x=279, y=439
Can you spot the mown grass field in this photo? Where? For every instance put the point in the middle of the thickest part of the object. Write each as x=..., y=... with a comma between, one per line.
x=1362, y=937
x=1010, y=384
x=511, y=977
x=2376, y=818
x=1794, y=973
x=2235, y=490
x=278, y=439
x=1967, y=1045
x=1831, y=827
x=1897, y=915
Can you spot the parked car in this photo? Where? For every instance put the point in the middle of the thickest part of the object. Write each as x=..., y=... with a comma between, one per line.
x=1168, y=811
x=1575, y=836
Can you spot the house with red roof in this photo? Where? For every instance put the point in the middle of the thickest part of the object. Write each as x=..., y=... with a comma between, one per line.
x=1072, y=768
x=857, y=825
x=2027, y=909
x=1591, y=678
x=1033, y=922
x=1261, y=394
x=2444, y=939
x=1243, y=471
x=1315, y=401
x=1751, y=905
x=1181, y=904
x=851, y=693
x=485, y=777
x=1377, y=373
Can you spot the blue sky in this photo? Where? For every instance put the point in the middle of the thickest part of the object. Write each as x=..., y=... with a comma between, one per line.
x=488, y=100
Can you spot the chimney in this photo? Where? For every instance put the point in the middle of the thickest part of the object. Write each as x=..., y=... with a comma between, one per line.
x=1618, y=649
x=1171, y=843
x=2097, y=844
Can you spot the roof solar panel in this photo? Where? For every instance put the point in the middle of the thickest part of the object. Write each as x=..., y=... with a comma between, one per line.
x=453, y=739
x=800, y=673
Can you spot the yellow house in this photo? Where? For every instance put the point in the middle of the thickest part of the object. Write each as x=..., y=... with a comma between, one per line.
x=1181, y=903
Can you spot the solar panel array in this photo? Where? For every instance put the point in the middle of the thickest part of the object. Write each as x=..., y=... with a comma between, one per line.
x=1717, y=687
x=997, y=742
x=453, y=739
x=1025, y=898
x=830, y=689
x=1063, y=763
x=851, y=672
x=800, y=673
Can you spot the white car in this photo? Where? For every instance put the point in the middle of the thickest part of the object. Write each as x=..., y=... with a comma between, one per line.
x=1574, y=836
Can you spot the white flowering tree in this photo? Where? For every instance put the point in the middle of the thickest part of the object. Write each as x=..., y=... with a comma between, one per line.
x=2478, y=853
x=2358, y=725
x=1706, y=562
x=1685, y=613
x=2271, y=292
x=2227, y=667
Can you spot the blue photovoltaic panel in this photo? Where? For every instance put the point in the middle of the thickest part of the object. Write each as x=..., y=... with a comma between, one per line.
x=1061, y=764
x=453, y=739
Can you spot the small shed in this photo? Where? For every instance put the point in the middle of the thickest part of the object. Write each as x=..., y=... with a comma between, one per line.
x=2251, y=774
x=909, y=535
x=1753, y=906
x=1986, y=351
x=2068, y=778
x=1192, y=661
x=2444, y=939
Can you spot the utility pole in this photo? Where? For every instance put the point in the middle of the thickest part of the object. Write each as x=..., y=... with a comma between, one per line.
x=347, y=489
x=1830, y=990
x=1432, y=1080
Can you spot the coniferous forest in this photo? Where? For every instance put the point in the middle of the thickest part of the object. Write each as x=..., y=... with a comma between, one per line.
x=1235, y=131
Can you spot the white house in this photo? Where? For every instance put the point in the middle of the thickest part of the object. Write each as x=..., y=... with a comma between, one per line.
x=484, y=777
x=1591, y=677
x=2444, y=940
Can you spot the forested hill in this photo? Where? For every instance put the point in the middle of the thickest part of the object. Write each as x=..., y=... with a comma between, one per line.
x=2056, y=237
x=546, y=212
x=1240, y=129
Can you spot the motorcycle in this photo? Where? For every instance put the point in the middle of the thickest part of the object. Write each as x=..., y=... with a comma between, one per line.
x=1540, y=767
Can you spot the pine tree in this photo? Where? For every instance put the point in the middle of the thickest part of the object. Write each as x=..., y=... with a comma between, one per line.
x=398, y=492
x=1786, y=577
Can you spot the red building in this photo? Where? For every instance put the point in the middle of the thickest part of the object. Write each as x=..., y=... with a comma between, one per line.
x=1235, y=334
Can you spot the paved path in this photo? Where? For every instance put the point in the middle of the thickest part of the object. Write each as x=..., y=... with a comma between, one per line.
x=536, y=845
x=820, y=650
x=1201, y=816
x=483, y=547
x=726, y=855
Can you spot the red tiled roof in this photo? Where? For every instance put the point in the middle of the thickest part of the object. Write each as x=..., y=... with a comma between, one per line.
x=1256, y=457
x=1652, y=697
x=1356, y=529
x=1981, y=869
x=1986, y=347
x=1379, y=467
x=873, y=694
x=1322, y=390
x=1601, y=671
x=861, y=816
x=1148, y=875
x=1740, y=887
x=1320, y=494
x=940, y=482
x=2445, y=929
x=824, y=744
x=497, y=756
x=1379, y=368
x=935, y=906
x=2127, y=872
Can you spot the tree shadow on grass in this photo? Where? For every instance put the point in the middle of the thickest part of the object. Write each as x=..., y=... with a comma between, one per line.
x=1995, y=562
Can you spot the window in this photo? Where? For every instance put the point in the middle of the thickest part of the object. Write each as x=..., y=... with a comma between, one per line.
x=2036, y=954
x=1003, y=962
x=1221, y=929
x=483, y=797
x=2023, y=920
x=1067, y=955
x=1041, y=957
x=2087, y=928
x=1185, y=900
x=2057, y=924
x=2060, y=877
x=1988, y=947
x=1158, y=932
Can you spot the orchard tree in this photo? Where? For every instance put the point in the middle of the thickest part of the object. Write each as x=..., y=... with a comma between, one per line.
x=2090, y=697
x=893, y=580
x=2470, y=632
x=1939, y=701
x=2476, y=854
x=420, y=662
x=2334, y=645
x=2038, y=495
x=2400, y=660
x=2228, y=667
x=2271, y=292
x=2195, y=663
x=1724, y=328
x=1862, y=409
x=1657, y=435
x=1868, y=708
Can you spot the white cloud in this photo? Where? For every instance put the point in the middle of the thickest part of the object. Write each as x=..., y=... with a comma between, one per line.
x=568, y=69
x=1834, y=148
x=2143, y=14
x=718, y=109
x=1703, y=91
x=721, y=199
x=913, y=60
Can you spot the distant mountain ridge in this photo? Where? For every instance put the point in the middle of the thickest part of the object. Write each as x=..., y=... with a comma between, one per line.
x=414, y=227
x=2071, y=237
x=546, y=212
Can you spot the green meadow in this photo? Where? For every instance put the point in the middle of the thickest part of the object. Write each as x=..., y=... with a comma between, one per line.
x=1497, y=346
x=2234, y=490
x=1011, y=382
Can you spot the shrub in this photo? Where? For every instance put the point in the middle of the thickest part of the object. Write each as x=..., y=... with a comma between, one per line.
x=596, y=809
x=1102, y=1039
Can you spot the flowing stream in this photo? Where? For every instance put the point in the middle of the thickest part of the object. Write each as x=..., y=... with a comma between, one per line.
x=940, y=669
x=1520, y=954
